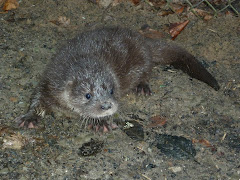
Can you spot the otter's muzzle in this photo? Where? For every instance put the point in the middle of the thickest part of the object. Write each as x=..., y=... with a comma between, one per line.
x=106, y=106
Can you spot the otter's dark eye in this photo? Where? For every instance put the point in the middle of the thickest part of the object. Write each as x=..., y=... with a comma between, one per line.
x=88, y=96
x=111, y=92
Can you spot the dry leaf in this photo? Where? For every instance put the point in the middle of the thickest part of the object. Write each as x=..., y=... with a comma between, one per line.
x=61, y=21
x=219, y=2
x=4, y=130
x=176, y=28
x=151, y=33
x=179, y=10
x=94, y=1
x=117, y=2
x=135, y=2
x=194, y=141
x=2, y=2
x=175, y=169
x=229, y=13
x=10, y=4
x=165, y=13
x=158, y=4
x=205, y=143
x=157, y=121
x=200, y=12
x=205, y=14
x=103, y=3
x=13, y=99
x=208, y=144
x=208, y=17
x=14, y=141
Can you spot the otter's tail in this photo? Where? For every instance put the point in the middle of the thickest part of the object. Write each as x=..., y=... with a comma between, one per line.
x=164, y=53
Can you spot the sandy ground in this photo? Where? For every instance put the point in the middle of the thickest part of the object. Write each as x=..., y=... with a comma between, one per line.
x=192, y=110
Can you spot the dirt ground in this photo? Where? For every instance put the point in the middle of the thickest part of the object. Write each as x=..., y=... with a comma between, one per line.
x=29, y=38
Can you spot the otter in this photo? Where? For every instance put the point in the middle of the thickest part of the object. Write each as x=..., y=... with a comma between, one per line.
x=92, y=71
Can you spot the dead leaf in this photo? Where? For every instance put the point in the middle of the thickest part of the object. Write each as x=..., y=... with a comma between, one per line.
x=204, y=14
x=94, y=1
x=179, y=10
x=157, y=4
x=157, y=121
x=102, y=3
x=194, y=141
x=135, y=2
x=4, y=130
x=14, y=141
x=117, y=2
x=176, y=28
x=208, y=17
x=151, y=33
x=165, y=13
x=219, y=2
x=205, y=143
x=2, y=2
x=229, y=13
x=13, y=99
x=200, y=12
x=61, y=21
x=10, y=4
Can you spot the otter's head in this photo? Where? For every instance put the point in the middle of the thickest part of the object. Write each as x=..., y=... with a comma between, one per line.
x=92, y=92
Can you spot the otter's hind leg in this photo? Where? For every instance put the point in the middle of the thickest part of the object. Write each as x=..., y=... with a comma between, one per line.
x=143, y=86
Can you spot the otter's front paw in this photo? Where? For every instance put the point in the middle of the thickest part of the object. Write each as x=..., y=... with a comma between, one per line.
x=28, y=120
x=102, y=127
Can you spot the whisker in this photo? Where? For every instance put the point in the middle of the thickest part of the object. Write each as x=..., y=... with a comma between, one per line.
x=84, y=118
x=86, y=122
x=96, y=122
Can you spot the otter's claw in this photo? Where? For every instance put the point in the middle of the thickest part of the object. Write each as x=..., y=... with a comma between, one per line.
x=143, y=89
x=27, y=120
x=103, y=128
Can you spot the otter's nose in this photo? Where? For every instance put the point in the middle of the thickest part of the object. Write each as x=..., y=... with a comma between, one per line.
x=106, y=106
